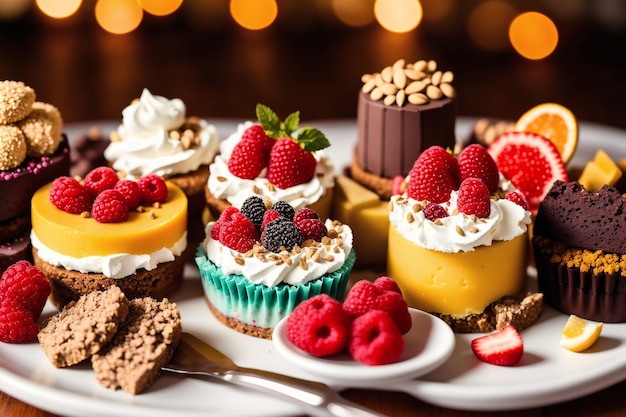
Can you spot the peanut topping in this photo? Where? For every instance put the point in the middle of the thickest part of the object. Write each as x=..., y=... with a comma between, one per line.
x=416, y=83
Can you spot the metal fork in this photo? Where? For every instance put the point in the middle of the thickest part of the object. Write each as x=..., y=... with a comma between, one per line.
x=195, y=357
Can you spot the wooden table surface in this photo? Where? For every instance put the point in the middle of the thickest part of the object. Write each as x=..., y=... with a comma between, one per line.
x=221, y=71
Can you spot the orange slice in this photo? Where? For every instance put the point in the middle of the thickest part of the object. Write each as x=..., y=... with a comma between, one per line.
x=554, y=122
x=579, y=334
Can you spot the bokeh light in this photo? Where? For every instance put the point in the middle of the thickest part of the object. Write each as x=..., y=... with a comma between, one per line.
x=58, y=9
x=355, y=13
x=488, y=25
x=12, y=9
x=118, y=16
x=398, y=15
x=533, y=35
x=160, y=7
x=254, y=14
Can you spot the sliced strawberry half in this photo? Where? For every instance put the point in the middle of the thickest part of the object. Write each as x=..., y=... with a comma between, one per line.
x=531, y=162
x=504, y=347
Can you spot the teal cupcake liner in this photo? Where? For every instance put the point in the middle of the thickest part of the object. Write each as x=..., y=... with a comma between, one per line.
x=236, y=297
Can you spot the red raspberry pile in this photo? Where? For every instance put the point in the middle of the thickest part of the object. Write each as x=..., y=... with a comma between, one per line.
x=369, y=324
x=474, y=174
x=289, y=160
x=105, y=196
x=277, y=228
x=23, y=293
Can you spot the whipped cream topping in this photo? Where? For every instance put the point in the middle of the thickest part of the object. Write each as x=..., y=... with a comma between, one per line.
x=458, y=232
x=145, y=146
x=118, y=265
x=320, y=259
x=235, y=190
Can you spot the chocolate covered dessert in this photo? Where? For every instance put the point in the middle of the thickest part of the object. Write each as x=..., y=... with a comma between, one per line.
x=580, y=251
x=402, y=110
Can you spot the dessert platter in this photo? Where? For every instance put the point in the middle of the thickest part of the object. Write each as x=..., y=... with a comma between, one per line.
x=546, y=374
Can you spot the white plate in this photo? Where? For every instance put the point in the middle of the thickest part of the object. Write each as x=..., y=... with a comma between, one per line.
x=428, y=344
x=547, y=373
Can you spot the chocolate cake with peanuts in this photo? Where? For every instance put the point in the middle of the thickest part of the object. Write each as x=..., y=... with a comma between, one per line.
x=579, y=245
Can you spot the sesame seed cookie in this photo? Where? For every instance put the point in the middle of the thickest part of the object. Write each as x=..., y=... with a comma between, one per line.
x=12, y=147
x=16, y=101
x=42, y=129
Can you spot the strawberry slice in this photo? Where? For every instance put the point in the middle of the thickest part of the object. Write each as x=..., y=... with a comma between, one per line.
x=504, y=347
x=531, y=162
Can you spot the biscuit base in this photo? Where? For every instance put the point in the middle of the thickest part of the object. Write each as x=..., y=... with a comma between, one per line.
x=238, y=325
x=521, y=311
x=378, y=184
x=68, y=285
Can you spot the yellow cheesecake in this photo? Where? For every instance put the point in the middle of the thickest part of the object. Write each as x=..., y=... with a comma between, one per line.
x=457, y=284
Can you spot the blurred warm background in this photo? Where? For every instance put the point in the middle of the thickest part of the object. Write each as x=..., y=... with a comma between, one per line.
x=91, y=57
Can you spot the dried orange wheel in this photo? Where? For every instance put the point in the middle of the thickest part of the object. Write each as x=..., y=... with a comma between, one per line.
x=554, y=122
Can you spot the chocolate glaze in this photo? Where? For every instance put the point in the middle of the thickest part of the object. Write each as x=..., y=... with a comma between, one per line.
x=571, y=215
x=14, y=251
x=18, y=185
x=598, y=297
x=390, y=138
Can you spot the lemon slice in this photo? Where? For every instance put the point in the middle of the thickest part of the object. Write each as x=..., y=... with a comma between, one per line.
x=554, y=122
x=579, y=334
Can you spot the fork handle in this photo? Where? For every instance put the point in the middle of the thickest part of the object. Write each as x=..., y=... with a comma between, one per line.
x=318, y=399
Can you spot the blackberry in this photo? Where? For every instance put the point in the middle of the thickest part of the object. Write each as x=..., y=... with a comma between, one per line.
x=281, y=233
x=285, y=209
x=254, y=209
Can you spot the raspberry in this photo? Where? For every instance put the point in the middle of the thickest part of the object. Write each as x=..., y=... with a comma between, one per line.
x=475, y=162
x=518, y=198
x=225, y=217
x=387, y=284
x=281, y=234
x=434, y=211
x=473, y=198
x=109, y=207
x=268, y=216
x=26, y=285
x=100, y=179
x=258, y=134
x=247, y=159
x=435, y=174
x=319, y=326
x=131, y=194
x=69, y=195
x=375, y=339
x=285, y=209
x=16, y=323
x=312, y=229
x=304, y=213
x=239, y=233
x=254, y=208
x=153, y=189
x=364, y=296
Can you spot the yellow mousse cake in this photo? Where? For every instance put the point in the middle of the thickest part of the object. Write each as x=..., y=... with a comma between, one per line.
x=458, y=242
x=141, y=255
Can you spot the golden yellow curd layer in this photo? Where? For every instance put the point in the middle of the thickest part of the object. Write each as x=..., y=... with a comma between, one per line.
x=77, y=236
x=457, y=284
x=368, y=217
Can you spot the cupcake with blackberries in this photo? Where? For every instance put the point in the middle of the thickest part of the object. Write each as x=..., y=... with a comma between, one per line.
x=259, y=262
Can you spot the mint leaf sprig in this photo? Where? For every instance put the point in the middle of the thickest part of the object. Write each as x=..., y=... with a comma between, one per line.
x=309, y=138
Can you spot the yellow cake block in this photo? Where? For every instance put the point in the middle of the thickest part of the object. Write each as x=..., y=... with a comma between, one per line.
x=457, y=284
x=368, y=217
x=79, y=237
x=600, y=171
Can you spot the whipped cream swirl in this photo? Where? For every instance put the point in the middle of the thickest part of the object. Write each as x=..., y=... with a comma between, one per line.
x=223, y=184
x=328, y=258
x=458, y=232
x=145, y=146
x=119, y=265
